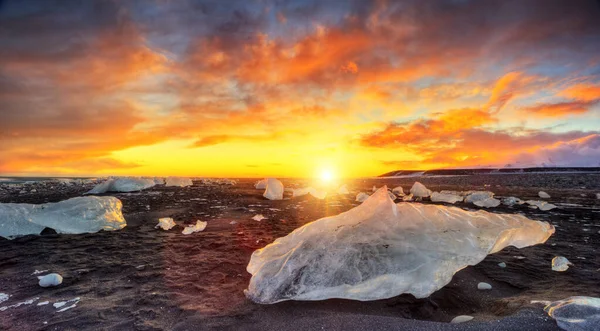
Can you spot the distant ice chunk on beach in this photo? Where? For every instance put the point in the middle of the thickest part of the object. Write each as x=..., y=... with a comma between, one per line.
x=542, y=205
x=579, y=313
x=511, y=201
x=543, y=195
x=298, y=192
x=379, y=250
x=273, y=190
x=362, y=196
x=487, y=203
x=560, y=263
x=398, y=191
x=446, y=197
x=419, y=190
x=473, y=196
x=76, y=215
x=126, y=184
x=49, y=280
x=178, y=181
x=165, y=223
x=199, y=226
x=261, y=184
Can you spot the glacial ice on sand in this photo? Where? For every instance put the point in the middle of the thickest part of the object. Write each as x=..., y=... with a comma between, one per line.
x=510, y=201
x=419, y=190
x=298, y=192
x=461, y=319
x=560, y=263
x=542, y=205
x=398, y=191
x=126, y=184
x=577, y=313
x=474, y=196
x=165, y=223
x=261, y=184
x=378, y=250
x=362, y=197
x=543, y=195
x=273, y=190
x=178, y=181
x=199, y=226
x=76, y=215
x=49, y=280
x=446, y=197
x=487, y=203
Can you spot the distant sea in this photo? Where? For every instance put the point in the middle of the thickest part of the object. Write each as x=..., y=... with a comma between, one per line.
x=23, y=180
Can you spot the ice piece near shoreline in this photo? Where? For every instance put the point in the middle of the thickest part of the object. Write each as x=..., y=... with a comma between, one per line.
x=560, y=263
x=273, y=190
x=50, y=280
x=407, y=198
x=579, y=313
x=76, y=215
x=543, y=195
x=419, y=190
x=298, y=192
x=542, y=205
x=3, y=297
x=165, y=223
x=502, y=265
x=598, y=196
x=484, y=286
x=487, y=203
x=379, y=250
x=259, y=217
x=128, y=184
x=511, y=201
x=178, y=181
x=199, y=226
x=398, y=191
x=445, y=197
x=461, y=319
x=261, y=184
x=392, y=196
x=474, y=196
x=343, y=190
x=361, y=197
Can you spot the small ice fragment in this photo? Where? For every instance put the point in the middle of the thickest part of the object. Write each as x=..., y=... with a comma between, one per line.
x=43, y=303
x=543, y=195
x=165, y=223
x=560, y=263
x=598, y=196
x=398, y=191
x=419, y=190
x=50, y=280
x=407, y=197
x=233, y=222
x=259, y=217
x=360, y=197
x=510, y=201
x=26, y=302
x=199, y=226
x=542, y=205
x=59, y=304
x=474, y=196
x=445, y=197
x=274, y=189
x=178, y=181
x=502, y=265
x=487, y=203
x=484, y=286
x=374, y=188
x=261, y=184
x=461, y=319
x=37, y=272
x=3, y=297
x=392, y=196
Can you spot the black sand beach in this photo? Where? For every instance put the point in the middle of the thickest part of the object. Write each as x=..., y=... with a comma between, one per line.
x=143, y=278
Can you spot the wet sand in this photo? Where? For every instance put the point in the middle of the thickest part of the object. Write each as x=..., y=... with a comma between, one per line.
x=142, y=278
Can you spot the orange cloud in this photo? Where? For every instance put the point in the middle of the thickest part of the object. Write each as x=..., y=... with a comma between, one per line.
x=561, y=108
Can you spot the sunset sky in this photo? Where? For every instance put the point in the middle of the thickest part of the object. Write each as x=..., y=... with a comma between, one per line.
x=290, y=88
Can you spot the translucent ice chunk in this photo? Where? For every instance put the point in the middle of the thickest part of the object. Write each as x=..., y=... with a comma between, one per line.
x=510, y=201
x=274, y=189
x=361, y=197
x=199, y=226
x=474, y=196
x=261, y=184
x=165, y=223
x=419, y=190
x=560, y=263
x=127, y=184
x=487, y=203
x=445, y=197
x=461, y=319
x=542, y=205
x=76, y=215
x=378, y=250
x=576, y=313
x=178, y=181
x=50, y=280
x=398, y=191
x=543, y=195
